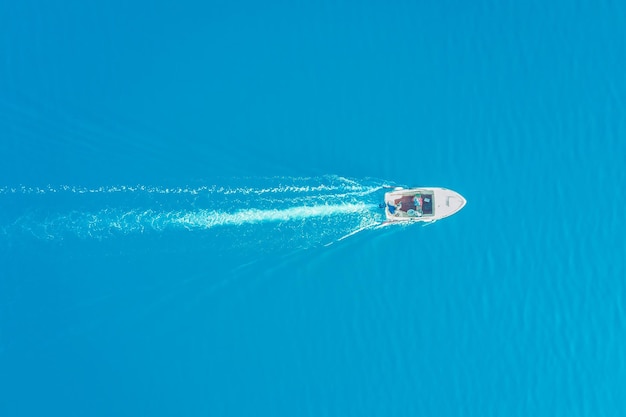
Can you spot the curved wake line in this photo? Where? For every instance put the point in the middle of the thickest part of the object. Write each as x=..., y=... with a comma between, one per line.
x=110, y=222
x=343, y=185
x=205, y=189
x=207, y=219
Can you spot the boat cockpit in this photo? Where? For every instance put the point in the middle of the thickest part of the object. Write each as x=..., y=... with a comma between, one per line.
x=415, y=204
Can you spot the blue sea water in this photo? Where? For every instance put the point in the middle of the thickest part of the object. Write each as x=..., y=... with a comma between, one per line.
x=189, y=193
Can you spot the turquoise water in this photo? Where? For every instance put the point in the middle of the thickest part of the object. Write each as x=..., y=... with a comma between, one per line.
x=189, y=195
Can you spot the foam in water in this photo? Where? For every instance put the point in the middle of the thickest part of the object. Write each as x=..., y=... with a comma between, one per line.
x=309, y=210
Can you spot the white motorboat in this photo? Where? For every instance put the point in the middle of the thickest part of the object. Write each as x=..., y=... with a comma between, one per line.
x=423, y=204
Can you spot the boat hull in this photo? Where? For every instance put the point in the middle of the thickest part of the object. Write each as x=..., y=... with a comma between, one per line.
x=422, y=204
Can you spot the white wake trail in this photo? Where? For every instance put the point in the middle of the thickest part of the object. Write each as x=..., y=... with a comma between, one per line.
x=308, y=211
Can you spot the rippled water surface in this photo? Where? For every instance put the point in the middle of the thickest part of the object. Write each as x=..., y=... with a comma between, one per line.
x=190, y=221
